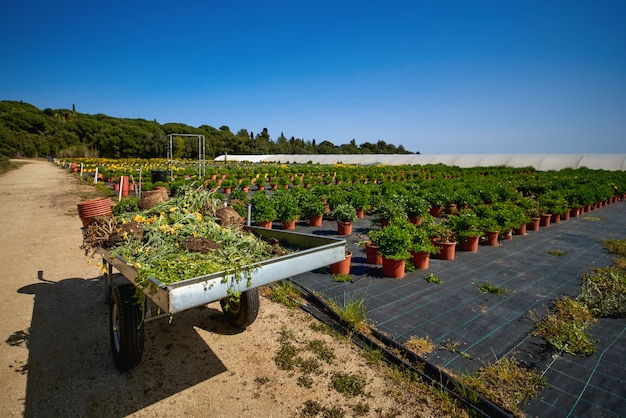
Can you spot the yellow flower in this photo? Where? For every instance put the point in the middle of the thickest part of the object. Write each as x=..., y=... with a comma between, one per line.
x=137, y=265
x=199, y=216
x=174, y=209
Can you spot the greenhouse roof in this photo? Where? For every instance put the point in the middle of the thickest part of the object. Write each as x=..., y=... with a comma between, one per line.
x=540, y=162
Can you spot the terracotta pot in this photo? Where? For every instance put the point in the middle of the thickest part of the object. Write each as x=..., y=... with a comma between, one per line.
x=416, y=220
x=91, y=208
x=565, y=216
x=534, y=225
x=587, y=208
x=420, y=259
x=492, y=238
x=450, y=209
x=521, y=230
x=545, y=220
x=555, y=219
x=344, y=228
x=260, y=187
x=342, y=267
x=393, y=268
x=289, y=225
x=360, y=214
x=575, y=212
x=447, y=250
x=227, y=190
x=265, y=224
x=315, y=220
x=372, y=254
x=436, y=211
x=471, y=244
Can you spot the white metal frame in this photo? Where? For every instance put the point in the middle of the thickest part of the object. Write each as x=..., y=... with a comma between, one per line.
x=201, y=153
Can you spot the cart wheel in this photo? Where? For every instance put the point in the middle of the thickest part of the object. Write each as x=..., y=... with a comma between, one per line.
x=126, y=327
x=244, y=312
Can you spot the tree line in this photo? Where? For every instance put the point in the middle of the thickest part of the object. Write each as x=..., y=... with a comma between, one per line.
x=27, y=131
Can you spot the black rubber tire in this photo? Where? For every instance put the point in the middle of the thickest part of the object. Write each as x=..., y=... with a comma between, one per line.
x=243, y=313
x=126, y=328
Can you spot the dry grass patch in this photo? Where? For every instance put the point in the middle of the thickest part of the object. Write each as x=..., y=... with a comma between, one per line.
x=506, y=383
x=421, y=346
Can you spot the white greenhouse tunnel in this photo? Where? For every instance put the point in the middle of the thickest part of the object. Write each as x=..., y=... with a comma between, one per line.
x=540, y=162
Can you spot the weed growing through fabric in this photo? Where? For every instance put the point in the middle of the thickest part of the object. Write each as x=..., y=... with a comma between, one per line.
x=453, y=347
x=353, y=312
x=591, y=218
x=615, y=246
x=342, y=278
x=349, y=385
x=420, y=345
x=556, y=253
x=603, y=290
x=506, y=383
x=565, y=328
x=285, y=293
x=490, y=288
x=431, y=278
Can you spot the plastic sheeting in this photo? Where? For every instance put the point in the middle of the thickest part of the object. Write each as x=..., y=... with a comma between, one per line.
x=540, y=162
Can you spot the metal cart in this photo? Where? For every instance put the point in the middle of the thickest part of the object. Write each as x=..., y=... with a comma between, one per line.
x=127, y=316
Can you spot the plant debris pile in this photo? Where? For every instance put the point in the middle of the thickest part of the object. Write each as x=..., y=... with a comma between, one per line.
x=180, y=238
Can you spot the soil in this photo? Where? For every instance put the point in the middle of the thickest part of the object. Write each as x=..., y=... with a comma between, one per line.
x=55, y=352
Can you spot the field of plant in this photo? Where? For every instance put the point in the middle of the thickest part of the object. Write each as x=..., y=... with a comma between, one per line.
x=413, y=208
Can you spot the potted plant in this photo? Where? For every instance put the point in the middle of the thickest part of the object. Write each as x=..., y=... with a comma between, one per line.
x=394, y=242
x=490, y=224
x=359, y=199
x=530, y=207
x=416, y=207
x=313, y=209
x=444, y=237
x=287, y=208
x=344, y=214
x=554, y=204
x=468, y=227
x=343, y=266
x=421, y=248
x=390, y=210
x=263, y=211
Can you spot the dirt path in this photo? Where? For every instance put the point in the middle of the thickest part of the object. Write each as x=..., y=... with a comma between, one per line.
x=54, y=345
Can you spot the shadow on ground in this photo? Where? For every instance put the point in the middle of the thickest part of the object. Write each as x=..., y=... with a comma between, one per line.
x=70, y=369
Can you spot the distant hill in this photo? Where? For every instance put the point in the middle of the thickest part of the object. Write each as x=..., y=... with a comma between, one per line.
x=26, y=131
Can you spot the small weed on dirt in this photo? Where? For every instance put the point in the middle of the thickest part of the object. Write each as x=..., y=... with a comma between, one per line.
x=349, y=385
x=321, y=350
x=373, y=356
x=286, y=293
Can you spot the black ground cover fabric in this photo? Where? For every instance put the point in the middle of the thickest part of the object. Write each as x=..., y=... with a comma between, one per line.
x=471, y=328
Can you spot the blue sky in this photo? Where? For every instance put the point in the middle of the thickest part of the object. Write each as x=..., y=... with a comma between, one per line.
x=435, y=76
